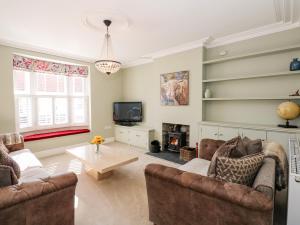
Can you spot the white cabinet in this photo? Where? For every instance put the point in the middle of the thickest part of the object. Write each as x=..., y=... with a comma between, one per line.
x=138, y=136
x=227, y=133
x=253, y=134
x=121, y=134
x=210, y=132
x=214, y=132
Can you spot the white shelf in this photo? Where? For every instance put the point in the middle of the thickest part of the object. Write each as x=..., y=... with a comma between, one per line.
x=253, y=54
x=283, y=73
x=252, y=98
x=250, y=126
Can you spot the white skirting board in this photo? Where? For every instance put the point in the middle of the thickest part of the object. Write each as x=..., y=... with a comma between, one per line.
x=61, y=150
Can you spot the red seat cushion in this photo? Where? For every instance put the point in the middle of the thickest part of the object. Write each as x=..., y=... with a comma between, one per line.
x=34, y=137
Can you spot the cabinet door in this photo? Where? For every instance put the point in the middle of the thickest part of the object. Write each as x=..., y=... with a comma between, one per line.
x=253, y=134
x=281, y=138
x=121, y=134
x=139, y=138
x=208, y=132
x=227, y=133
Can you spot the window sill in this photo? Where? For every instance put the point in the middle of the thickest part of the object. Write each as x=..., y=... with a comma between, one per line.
x=40, y=136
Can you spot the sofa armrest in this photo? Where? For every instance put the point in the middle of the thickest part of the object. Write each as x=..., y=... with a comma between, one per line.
x=241, y=195
x=15, y=194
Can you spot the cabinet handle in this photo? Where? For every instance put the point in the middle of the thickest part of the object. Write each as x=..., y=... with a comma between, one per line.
x=216, y=134
x=221, y=134
x=138, y=135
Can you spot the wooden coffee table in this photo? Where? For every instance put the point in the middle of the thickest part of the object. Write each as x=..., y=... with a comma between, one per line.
x=101, y=165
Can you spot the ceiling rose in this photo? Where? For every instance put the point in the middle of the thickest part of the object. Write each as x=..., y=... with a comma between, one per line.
x=93, y=20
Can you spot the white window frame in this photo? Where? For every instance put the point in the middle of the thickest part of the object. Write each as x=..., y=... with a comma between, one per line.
x=34, y=96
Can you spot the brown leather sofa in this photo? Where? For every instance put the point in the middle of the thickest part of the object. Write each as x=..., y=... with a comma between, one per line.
x=38, y=199
x=178, y=197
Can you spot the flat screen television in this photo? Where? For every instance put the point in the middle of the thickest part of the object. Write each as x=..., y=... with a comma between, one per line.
x=127, y=112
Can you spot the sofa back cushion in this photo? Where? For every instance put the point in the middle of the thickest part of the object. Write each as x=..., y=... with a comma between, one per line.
x=239, y=170
x=208, y=147
x=6, y=160
x=252, y=146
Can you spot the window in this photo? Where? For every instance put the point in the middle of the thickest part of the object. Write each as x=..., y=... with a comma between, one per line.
x=47, y=100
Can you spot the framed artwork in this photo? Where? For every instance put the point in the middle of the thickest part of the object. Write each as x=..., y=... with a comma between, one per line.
x=174, y=88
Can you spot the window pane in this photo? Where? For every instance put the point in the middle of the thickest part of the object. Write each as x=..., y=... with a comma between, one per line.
x=51, y=84
x=78, y=86
x=45, y=115
x=78, y=110
x=25, y=112
x=61, y=111
x=21, y=82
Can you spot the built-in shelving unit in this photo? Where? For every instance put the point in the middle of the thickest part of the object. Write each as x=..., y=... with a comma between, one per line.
x=266, y=75
x=255, y=86
x=253, y=54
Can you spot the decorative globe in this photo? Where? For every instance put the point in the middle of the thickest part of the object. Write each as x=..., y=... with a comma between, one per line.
x=288, y=110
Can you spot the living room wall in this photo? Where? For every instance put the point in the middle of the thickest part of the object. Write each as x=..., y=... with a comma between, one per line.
x=103, y=91
x=142, y=83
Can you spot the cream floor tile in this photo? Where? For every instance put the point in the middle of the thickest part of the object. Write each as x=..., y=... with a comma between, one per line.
x=118, y=200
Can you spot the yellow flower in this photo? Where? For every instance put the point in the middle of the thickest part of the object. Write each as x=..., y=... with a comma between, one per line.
x=97, y=140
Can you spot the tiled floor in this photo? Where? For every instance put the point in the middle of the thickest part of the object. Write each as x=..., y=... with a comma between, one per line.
x=118, y=200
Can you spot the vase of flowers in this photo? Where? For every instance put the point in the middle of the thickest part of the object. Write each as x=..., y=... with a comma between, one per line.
x=97, y=140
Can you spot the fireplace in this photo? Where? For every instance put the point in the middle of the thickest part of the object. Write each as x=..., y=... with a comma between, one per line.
x=176, y=140
x=175, y=136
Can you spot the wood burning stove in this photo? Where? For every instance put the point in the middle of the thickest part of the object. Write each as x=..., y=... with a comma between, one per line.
x=176, y=140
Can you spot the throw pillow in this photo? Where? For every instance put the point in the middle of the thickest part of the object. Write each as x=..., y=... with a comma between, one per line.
x=239, y=150
x=232, y=148
x=6, y=160
x=239, y=170
x=8, y=176
x=3, y=147
x=252, y=146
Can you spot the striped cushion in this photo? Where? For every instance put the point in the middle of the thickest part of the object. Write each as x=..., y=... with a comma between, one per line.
x=12, y=138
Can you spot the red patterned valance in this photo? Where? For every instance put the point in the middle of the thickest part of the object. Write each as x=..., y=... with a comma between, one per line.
x=42, y=66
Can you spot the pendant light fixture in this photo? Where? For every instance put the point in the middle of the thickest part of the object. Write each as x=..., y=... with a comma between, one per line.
x=107, y=64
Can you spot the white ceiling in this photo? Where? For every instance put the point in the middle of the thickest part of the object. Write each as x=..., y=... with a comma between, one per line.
x=57, y=25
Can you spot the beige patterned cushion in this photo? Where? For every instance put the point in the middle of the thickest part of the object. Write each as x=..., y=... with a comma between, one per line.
x=6, y=160
x=233, y=148
x=3, y=147
x=239, y=170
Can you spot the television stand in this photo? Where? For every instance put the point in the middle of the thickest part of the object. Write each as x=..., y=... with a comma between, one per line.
x=127, y=124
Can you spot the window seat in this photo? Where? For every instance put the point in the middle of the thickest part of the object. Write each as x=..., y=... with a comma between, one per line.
x=35, y=137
